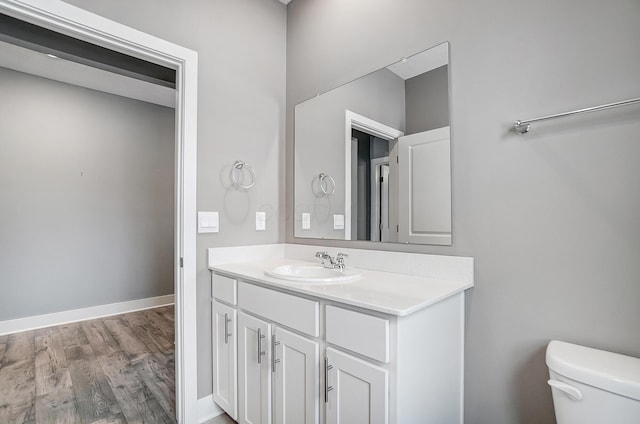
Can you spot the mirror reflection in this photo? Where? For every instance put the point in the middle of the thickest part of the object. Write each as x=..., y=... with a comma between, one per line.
x=372, y=157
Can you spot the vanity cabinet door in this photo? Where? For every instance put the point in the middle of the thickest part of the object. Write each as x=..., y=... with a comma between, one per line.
x=254, y=370
x=356, y=391
x=225, y=367
x=296, y=367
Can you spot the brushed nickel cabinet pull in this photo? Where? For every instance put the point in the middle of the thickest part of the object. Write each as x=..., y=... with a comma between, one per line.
x=327, y=388
x=227, y=320
x=260, y=351
x=274, y=355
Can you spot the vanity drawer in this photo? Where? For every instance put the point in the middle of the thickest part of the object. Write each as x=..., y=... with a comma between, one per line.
x=224, y=288
x=358, y=332
x=293, y=311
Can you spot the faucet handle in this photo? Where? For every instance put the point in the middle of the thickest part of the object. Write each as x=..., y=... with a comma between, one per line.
x=340, y=260
x=321, y=255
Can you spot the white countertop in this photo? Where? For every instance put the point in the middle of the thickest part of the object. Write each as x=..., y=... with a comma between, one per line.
x=387, y=292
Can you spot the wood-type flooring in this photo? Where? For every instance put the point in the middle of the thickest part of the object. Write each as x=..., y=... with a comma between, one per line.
x=117, y=369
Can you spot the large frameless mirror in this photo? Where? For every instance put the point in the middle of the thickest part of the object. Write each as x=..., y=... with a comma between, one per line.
x=372, y=157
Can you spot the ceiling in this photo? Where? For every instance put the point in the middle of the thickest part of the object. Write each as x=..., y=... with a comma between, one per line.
x=422, y=62
x=35, y=50
x=41, y=64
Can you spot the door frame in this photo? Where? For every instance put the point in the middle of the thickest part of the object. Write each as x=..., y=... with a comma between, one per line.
x=76, y=22
x=362, y=123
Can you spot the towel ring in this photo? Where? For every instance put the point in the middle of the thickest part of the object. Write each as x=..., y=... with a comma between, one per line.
x=323, y=184
x=238, y=166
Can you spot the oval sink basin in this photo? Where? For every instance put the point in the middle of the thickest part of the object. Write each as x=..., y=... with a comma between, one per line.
x=312, y=274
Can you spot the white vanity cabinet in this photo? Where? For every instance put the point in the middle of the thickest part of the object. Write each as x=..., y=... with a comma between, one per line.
x=395, y=369
x=225, y=358
x=356, y=391
x=290, y=360
x=225, y=344
x=278, y=354
x=305, y=359
x=297, y=385
x=254, y=371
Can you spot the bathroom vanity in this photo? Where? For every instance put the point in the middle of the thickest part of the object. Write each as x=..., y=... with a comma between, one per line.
x=385, y=347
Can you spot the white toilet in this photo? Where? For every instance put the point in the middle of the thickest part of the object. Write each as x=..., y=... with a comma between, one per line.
x=592, y=386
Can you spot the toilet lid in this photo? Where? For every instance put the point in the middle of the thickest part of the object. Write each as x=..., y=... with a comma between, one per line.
x=606, y=370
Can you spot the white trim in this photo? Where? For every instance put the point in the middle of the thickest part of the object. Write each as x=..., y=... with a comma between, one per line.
x=207, y=409
x=73, y=21
x=74, y=315
x=463, y=320
x=361, y=123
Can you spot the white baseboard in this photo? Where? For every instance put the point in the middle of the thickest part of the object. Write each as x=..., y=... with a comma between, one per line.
x=65, y=317
x=207, y=409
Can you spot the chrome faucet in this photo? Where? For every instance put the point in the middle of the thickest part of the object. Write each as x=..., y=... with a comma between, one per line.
x=324, y=256
x=337, y=263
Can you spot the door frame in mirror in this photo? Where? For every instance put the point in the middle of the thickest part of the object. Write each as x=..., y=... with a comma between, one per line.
x=79, y=23
x=362, y=123
x=377, y=200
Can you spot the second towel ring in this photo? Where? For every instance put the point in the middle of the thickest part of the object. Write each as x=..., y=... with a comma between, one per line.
x=323, y=184
x=238, y=166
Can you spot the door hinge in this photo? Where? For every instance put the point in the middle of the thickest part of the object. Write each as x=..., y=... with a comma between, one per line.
x=397, y=228
x=397, y=159
x=181, y=262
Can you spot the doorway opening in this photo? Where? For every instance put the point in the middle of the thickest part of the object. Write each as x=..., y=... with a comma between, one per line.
x=86, y=26
x=99, y=166
x=369, y=183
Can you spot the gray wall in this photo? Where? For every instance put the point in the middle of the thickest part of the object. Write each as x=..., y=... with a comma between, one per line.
x=551, y=217
x=241, y=101
x=320, y=131
x=427, y=101
x=86, y=216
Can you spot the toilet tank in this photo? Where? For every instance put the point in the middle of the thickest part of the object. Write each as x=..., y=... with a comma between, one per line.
x=592, y=386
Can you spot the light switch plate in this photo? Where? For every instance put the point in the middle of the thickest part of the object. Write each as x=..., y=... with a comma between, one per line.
x=208, y=222
x=338, y=222
x=261, y=221
x=306, y=221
